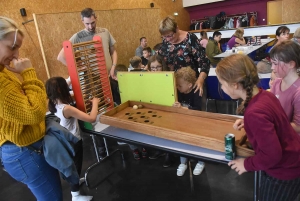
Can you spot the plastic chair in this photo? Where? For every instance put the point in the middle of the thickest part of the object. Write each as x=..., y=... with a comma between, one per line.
x=215, y=93
x=268, y=49
x=264, y=80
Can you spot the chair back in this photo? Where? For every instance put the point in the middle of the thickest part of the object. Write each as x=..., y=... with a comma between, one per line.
x=264, y=80
x=213, y=89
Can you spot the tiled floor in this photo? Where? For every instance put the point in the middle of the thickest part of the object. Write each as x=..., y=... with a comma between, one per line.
x=146, y=180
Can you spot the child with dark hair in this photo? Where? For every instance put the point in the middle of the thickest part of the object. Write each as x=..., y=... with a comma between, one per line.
x=114, y=84
x=157, y=47
x=213, y=48
x=60, y=103
x=187, y=99
x=282, y=34
x=146, y=55
x=275, y=142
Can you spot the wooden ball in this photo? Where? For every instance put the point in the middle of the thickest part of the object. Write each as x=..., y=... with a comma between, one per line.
x=135, y=107
x=140, y=106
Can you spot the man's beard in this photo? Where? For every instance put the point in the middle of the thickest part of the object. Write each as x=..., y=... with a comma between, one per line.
x=92, y=30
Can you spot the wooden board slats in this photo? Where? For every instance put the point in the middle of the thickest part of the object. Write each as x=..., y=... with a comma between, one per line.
x=88, y=73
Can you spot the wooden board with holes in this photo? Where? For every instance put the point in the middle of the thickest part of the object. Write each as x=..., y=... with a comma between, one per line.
x=197, y=128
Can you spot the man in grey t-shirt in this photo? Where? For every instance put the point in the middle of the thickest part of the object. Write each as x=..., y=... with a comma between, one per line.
x=143, y=44
x=89, y=18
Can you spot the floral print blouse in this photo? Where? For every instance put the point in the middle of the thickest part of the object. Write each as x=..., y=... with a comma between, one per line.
x=189, y=52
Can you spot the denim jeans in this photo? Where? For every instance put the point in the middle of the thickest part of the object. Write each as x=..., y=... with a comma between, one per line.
x=31, y=168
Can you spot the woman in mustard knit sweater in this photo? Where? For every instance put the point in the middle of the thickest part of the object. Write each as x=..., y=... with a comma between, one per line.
x=22, y=118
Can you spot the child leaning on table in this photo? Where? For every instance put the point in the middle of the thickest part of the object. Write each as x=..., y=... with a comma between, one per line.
x=187, y=99
x=60, y=103
x=275, y=142
x=157, y=63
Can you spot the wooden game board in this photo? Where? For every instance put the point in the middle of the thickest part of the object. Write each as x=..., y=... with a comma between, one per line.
x=197, y=128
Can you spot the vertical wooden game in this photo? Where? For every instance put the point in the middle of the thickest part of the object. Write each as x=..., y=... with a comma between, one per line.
x=88, y=73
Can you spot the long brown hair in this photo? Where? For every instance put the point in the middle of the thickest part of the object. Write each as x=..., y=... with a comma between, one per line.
x=239, y=68
x=203, y=35
x=57, y=89
x=287, y=51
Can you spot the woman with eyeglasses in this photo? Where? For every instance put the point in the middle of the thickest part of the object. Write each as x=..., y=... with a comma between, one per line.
x=181, y=48
x=22, y=118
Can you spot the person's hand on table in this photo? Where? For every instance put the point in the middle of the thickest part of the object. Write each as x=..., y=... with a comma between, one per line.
x=238, y=165
x=238, y=124
x=176, y=104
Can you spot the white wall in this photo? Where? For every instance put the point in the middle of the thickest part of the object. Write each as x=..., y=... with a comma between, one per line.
x=254, y=31
x=187, y=3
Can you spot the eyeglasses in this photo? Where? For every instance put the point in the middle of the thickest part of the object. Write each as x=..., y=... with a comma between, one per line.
x=154, y=68
x=168, y=36
x=15, y=40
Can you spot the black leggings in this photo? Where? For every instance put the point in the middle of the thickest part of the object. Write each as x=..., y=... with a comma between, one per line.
x=78, y=162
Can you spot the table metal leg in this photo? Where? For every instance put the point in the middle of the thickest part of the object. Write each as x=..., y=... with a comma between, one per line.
x=107, y=154
x=256, y=185
x=191, y=177
x=95, y=147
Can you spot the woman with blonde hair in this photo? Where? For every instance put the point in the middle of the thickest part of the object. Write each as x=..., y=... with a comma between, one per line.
x=237, y=38
x=22, y=117
x=181, y=48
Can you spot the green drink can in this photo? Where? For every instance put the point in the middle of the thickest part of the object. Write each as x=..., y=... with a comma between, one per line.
x=230, y=146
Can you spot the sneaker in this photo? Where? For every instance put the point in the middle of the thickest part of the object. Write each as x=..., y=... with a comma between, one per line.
x=199, y=168
x=144, y=153
x=136, y=154
x=121, y=143
x=77, y=197
x=156, y=155
x=167, y=162
x=181, y=169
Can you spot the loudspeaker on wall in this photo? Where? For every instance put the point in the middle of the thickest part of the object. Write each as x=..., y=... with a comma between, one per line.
x=23, y=12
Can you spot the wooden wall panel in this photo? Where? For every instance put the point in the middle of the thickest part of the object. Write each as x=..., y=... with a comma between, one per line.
x=274, y=11
x=31, y=47
x=290, y=11
x=126, y=26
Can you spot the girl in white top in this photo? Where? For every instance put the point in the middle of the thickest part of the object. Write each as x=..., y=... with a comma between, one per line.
x=60, y=103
